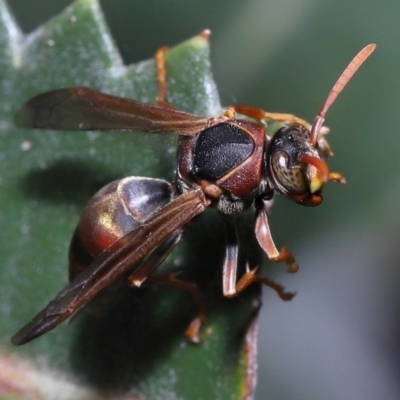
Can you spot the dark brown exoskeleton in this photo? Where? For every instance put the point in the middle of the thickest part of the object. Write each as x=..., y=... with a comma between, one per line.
x=131, y=225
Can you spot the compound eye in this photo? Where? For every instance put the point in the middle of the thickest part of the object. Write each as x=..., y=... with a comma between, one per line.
x=290, y=180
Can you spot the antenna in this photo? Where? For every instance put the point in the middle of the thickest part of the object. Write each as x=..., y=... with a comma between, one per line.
x=344, y=78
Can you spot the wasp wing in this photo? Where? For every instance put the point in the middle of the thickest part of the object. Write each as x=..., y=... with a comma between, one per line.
x=114, y=262
x=87, y=109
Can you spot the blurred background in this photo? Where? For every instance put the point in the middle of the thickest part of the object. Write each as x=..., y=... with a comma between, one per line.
x=339, y=338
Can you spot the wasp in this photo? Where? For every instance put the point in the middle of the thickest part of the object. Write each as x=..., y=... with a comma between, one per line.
x=131, y=225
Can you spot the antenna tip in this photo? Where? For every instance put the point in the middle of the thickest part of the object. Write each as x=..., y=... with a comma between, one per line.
x=369, y=48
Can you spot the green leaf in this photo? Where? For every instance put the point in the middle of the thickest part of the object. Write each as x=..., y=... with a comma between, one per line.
x=138, y=348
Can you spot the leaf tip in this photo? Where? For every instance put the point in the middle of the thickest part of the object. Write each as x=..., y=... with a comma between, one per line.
x=201, y=40
x=205, y=34
x=87, y=2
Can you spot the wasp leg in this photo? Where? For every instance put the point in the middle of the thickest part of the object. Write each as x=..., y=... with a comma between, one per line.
x=150, y=264
x=250, y=277
x=229, y=271
x=259, y=115
x=154, y=260
x=264, y=237
x=192, y=331
x=159, y=59
x=287, y=118
x=166, y=278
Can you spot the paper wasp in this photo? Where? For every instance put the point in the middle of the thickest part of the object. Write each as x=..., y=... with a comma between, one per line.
x=131, y=225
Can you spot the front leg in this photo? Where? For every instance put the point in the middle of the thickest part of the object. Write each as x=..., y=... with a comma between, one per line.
x=264, y=237
x=260, y=115
x=282, y=118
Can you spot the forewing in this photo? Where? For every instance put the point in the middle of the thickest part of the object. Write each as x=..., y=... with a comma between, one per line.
x=87, y=109
x=114, y=262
